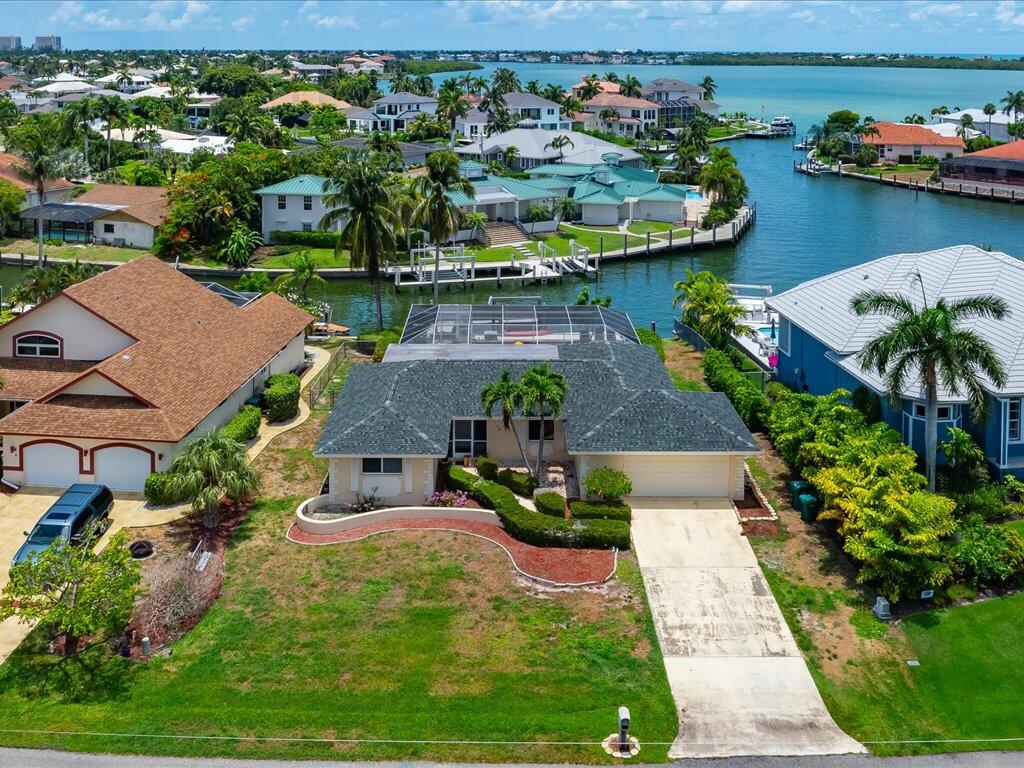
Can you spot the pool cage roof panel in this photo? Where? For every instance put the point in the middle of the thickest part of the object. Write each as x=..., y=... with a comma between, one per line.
x=513, y=323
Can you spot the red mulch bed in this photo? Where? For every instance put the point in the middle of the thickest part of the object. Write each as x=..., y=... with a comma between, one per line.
x=750, y=507
x=565, y=567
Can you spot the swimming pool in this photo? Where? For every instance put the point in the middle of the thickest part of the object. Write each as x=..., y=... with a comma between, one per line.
x=692, y=194
x=767, y=331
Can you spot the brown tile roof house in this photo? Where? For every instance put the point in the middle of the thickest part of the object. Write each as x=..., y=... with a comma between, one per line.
x=315, y=98
x=9, y=171
x=615, y=100
x=147, y=204
x=192, y=349
x=905, y=134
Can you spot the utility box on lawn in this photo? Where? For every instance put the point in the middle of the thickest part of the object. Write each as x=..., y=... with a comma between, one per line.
x=796, y=487
x=807, y=505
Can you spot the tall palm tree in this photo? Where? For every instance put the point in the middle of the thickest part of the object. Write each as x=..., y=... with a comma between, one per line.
x=509, y=155
x=687, y=160
x=208, y=469
x=710, y=86
x=423, y=84
x=590, y=88
x=401, y=83
x=533, y=86
x=964, y=128
x=612, y=76
x=929, y=344
x=78, y=115
x=544, y=393
x=553, y=92
x=990, y=109
x=436, y=211
x=940, y=110
x=505, y=80
x=361, y=194
x=507, y=394
x=630, y=87
x=560, y=142
x=113, y=110
x=1013, y=102
x=305, y=271
x=40, y=159
x=451, y=106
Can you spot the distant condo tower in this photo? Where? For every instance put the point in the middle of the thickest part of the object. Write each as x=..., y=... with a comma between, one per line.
x=48, y=43
x=10, y=43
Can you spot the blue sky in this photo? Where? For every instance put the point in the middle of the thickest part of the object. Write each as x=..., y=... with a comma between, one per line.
x=965, y=26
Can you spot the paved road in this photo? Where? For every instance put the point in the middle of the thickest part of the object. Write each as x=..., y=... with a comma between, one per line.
x=740, y=684
x=28, y=758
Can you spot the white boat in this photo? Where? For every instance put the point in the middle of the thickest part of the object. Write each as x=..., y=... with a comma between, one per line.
x=782, y=126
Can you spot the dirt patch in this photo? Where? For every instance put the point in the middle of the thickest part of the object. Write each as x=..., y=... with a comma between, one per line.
x=287, y=466
x=684, y=362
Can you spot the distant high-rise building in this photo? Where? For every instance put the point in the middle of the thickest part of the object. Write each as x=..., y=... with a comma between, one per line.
x=10, y=43
x=48, y=43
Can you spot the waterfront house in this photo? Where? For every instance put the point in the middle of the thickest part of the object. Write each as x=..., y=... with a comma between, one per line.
x=678, y=101
x=533, y=146
x=136, y=82
x=293, y=205
x=394, y=421
x=604, y=86
x=134, y=213
x=1003, y=164
x=313, y=98
x=633, y=116
x=391, y=113
x=527, y=110
x=819, y=338
x=54, y=190
x=313, y=72
x=905, y=142
x=994, y=126
x=107, y=380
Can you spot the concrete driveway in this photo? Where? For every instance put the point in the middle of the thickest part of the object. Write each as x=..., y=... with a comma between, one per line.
x=740, y=684
x=19, y=512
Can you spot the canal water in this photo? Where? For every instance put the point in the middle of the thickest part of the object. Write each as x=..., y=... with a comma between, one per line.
x=806, y=226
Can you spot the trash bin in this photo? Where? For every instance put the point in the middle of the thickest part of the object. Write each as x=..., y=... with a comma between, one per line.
x=796, y=487
x=807, y=504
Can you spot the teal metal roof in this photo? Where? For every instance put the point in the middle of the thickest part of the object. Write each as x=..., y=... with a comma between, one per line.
x=471, y=165
x=648, y=191
x=555, y=183
x=520, y=189
x=306, y=184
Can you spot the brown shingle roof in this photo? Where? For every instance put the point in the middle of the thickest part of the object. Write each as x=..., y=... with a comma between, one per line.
x=28, y=378
x=147, y=204
x=9, y=165
x=194, y=350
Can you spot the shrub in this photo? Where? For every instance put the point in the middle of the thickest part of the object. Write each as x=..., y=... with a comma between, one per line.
x=487, y=467
x=157, y=489
x=282, y=397
x=988, y=554
x=244, y=425
x=928, y=161
x=963, y=456
x=716, y=216
x=600, y=510
x=905, y=159
x=550, y=503
x=458, y=479
x=382, y=341
x=988, y=501
x=518, y=482
x=448, y=499
x=608, y=484
x=652, y=339
x=748, y=399
x=868, y=403
x=314, y=239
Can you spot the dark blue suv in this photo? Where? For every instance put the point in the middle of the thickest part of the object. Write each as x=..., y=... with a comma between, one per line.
x=80, y=507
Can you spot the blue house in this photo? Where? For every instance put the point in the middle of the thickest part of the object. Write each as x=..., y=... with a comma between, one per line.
x=820, y=337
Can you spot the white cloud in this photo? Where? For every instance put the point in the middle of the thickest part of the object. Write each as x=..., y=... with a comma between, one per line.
x=933, y=10
x=805, y=14
x=242, y=23
x=309, y=12
x=68, y=11
x=1008, y=12
x=102, y=20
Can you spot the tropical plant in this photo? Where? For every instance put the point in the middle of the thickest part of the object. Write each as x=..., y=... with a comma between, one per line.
x=722, y=180
x=560, y=142
x=564, y=208
x=73, y=591
x=474, y=221
x=940, y=110
x=239, y=246
x=509, y=155
x=608, y=484
x=708, y=307
x=687, y=161
x=963, y=129
x=509, y=395
x=544, y=393
x=451, y=106
x=436, y=211
x=11, y=200
x=114, y=111
x=963, y=455
x=78, y=115
x=914, y=119
x=536, y=213
x=590, y=88
x=505, y=80
x=631, y=87
x=865, y=156
x=1013, y=102
x=928, y=345
x=709, y=86
x=210, y=468
x=990, y=109
x=305, y=271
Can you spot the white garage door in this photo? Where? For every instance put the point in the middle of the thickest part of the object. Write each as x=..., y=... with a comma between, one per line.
x=121, y=468
x=50, y=464
x=678, y=475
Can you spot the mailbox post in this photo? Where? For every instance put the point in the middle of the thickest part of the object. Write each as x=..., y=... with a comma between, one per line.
x=624, y=730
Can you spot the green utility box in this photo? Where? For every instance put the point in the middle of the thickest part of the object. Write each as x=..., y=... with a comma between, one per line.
x=796, y=487
x=807, y=504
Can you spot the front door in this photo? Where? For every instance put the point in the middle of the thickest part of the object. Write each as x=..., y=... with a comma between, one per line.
x=468, y=437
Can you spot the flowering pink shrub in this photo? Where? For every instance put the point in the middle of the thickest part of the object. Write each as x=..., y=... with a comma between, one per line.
x=448, y=499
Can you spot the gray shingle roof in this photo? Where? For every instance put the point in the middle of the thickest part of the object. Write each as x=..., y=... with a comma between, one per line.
x=620, y=400
x=404, y=97
x=527, y=101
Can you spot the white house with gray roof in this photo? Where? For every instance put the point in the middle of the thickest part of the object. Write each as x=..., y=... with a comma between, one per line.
x=394, y=421
x=533, y=146
x=392, y=112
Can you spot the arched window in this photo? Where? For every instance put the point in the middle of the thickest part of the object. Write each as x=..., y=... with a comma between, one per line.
x=37, y=345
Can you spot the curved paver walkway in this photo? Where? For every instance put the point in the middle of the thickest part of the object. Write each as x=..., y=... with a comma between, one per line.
x=559, y=567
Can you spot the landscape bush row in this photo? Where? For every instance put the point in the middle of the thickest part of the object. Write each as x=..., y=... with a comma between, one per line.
x=903, y=538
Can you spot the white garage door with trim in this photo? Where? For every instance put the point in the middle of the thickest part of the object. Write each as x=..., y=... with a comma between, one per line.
x=50, y=464
x=678, y=475
x=121, y=468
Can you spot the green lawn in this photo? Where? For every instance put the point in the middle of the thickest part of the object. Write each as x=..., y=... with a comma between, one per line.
x=494, y=253
x=587, y=238
x=901, y=169
x=406, y=636
x=72, y=252
x=1016, y=525
x=326, y=258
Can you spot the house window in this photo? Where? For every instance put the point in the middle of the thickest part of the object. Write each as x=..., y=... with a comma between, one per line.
x=1013, y=422
x=945, y=413
x=37, y=345
x=108, y=229
x=382, y=466
x=534, y=430
x=468, y=437
x=784, y=330
x=917, y=151
x=307, y=202
x=307, y=227
x=282, y=203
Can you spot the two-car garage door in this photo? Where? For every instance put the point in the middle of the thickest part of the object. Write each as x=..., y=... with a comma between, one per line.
x=678, y=475
x=119, y=467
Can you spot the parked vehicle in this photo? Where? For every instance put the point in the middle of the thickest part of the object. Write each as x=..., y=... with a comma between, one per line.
x=81, y=506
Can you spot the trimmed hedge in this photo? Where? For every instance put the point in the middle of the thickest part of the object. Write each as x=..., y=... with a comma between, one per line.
x=550, y=503
x=532, y=527
x=385, y=339
x=652, y=339
x=748, y=399
x=282, y=397
x=244, y=425
x=520, y=482
x=157, y=489
x=600, y=510
x=608, y=484
x=487, y=467
x=314, y=239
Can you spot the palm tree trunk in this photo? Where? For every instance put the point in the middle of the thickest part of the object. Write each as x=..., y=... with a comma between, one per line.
x=437, y=266
x=931, y=426
x=108, y=145
x=380, y=308
x=519, y=441
x=40, y=192
x=540, y=451
x=86, y=141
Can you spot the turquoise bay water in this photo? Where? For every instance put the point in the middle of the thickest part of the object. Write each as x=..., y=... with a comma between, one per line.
x=806, y=227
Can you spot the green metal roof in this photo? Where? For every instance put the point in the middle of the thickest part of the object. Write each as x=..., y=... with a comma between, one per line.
x=306, y=184
x=521, y=190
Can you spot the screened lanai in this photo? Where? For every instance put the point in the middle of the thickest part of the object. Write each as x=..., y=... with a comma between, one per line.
x=511, y=324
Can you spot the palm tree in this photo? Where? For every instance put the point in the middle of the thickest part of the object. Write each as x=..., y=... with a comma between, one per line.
x=243, y=126
x=492, y=100
x=990, y=109
x=710, y=86
x=590, y=88
x=1014, y=102
x=941, y=110
x=436, y=211
x=564, y=208
x=113, y=110
x=78, y=115
x=963, y=129
x=611, y=77
x=361, y=194
x=505, y=80
x=708, y=307
x=305, y=271
x=508, y=394
x=544, y=393
x=41, y=159
x=451, y=106
x=239, y=245
x=607, y=115
x=509, y=155
x=553, y=92
x=124, y=79
x=560, y=142
x=423, y=84
x=211, y=468
x=401, y=83
x=687, y=160
x=536, y=213
x=723, y=182
x=914, y=119
x=474, y=221
x=533, y=86
x=630, y=87
x=423, y=126
x=928, y=345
